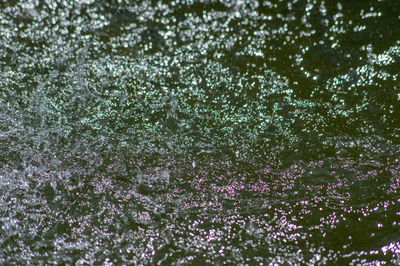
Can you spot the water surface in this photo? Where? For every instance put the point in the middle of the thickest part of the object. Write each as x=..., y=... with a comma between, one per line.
x=199, y=132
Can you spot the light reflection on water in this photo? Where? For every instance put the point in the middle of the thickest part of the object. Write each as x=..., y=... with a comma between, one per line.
x=199, y=132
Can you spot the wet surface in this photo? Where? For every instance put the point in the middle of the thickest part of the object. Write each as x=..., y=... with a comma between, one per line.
x=199, y=132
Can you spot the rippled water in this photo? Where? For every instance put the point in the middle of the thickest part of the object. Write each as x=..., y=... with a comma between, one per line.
x=199, y=132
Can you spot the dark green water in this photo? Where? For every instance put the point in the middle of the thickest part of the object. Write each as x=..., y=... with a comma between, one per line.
x=200, y=132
